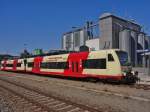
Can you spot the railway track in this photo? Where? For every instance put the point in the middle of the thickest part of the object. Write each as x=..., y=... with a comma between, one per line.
x=22, y=79
x=4, y=104
x=136, y=86
x=33, y=100
x=141, y=86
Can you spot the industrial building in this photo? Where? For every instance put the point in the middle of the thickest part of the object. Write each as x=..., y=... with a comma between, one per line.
x=114, y=33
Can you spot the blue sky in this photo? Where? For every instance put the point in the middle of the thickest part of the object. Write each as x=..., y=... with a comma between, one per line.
x=40, y=23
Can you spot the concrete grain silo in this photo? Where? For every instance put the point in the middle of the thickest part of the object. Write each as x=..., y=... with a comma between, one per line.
x=125, y=42
x=142, y=46
x=147, y=42
x=134, y=39
x=68, y=41
x=141, y=41
x=64, y=42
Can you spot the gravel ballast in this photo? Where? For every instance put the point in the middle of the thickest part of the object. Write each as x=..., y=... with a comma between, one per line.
x=108, y=98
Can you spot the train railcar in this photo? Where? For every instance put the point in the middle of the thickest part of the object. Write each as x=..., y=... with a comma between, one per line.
x=110, y=65
x=3, y=65
x=9, y=65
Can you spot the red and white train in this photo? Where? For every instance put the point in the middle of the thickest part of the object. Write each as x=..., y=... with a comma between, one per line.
x=110, y=65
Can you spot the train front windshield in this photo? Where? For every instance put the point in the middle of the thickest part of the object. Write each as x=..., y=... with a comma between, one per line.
x=123, y=57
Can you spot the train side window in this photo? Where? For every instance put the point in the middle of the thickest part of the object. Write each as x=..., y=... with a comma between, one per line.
x=9, y=65
x=43, y=65
x=66, y=65
x=18, y=64
x=55, y=65
x=62, y=65
x=110, y=57
x=94, y=64
x=30, y=64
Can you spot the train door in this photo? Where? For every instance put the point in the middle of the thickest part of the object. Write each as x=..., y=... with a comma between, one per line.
x=15, y=65
x=75, y=66
x=37, y=62
x=74, y=69
x=25, y=64
x=4, y=65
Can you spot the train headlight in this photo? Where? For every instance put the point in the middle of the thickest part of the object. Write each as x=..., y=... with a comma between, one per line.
x=133, y=72
x=124, y=73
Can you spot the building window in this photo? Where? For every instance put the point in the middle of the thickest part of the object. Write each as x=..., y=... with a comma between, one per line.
x=110, y=57
x=55, y=65
x=94, y=64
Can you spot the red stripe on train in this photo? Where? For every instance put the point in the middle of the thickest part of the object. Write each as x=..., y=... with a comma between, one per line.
x=79, y=75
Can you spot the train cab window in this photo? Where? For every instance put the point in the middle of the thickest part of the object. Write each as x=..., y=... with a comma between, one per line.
x=110, y=57
x=94, y=64
x=123, y=57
